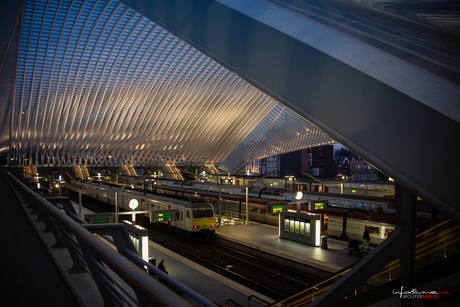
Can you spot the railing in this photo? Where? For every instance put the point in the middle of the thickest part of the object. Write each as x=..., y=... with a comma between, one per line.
x=91, y=255
x=438, y=246
x=435, y=243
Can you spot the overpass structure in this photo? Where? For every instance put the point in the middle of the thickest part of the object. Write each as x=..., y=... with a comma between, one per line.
x=224, y=82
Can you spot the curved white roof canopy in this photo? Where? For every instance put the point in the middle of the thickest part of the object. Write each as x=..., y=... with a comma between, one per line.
x=98, y=83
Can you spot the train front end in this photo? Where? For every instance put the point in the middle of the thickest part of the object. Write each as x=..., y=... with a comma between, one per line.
x=203, y=220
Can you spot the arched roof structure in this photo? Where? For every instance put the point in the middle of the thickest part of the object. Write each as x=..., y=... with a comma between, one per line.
x=97, y=83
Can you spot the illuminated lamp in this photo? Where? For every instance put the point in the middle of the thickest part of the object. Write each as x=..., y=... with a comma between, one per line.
x=133, y=203
x=298, y=195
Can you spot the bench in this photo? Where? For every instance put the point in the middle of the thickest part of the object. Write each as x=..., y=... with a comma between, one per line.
x=357, y=252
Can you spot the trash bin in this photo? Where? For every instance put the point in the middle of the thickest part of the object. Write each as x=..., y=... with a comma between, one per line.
x=323, y=242
x=153, y=262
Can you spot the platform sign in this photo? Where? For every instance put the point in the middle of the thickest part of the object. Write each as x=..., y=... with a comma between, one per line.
x=319, y=206
x=277, y=209
x=164, y=216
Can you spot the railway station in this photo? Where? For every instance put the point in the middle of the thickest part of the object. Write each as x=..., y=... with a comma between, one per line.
x=173, y=99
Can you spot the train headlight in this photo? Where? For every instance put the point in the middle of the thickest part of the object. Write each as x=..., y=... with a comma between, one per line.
x=56, y=185
x=298, y=195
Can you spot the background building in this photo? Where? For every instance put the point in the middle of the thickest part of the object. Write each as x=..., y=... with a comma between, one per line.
x=323, y=162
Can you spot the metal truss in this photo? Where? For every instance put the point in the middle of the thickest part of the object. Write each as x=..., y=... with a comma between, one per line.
x=99, y=84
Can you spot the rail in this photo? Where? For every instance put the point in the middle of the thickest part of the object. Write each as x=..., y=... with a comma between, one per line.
x=434, y=243
x=91, y=255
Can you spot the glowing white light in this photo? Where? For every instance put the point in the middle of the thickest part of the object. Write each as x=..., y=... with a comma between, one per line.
x=145, y=247
x=318, y=233
x=279, y=223
x=133, y=203
x=298, y=195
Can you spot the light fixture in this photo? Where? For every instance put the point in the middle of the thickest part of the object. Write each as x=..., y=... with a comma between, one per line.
x=133, y=203
x=298, y=195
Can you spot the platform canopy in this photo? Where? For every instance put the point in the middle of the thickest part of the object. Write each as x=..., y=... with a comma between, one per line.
x=95, y=82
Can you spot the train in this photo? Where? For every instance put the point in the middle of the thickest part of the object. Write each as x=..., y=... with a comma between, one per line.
x=343, y=216
x=271, y=195
x=370, y=188
x=193, y=218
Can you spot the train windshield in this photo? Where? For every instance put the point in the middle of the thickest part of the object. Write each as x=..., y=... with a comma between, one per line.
x=202, y=213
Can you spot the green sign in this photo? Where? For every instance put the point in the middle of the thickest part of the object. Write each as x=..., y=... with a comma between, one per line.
x=278, y=209
x=100, y=220
x=319, y=206
x=164, y=216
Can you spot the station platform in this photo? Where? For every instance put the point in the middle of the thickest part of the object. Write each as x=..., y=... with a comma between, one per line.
x=257, y=236
x=208, y=283
x=266, y=238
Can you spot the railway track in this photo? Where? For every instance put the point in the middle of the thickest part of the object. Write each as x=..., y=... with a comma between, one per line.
x=202, y=255
x=264, y=277
x=259, y=275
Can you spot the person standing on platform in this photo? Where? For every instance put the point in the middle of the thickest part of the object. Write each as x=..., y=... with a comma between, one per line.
x=366, y=238
x=162, y=267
